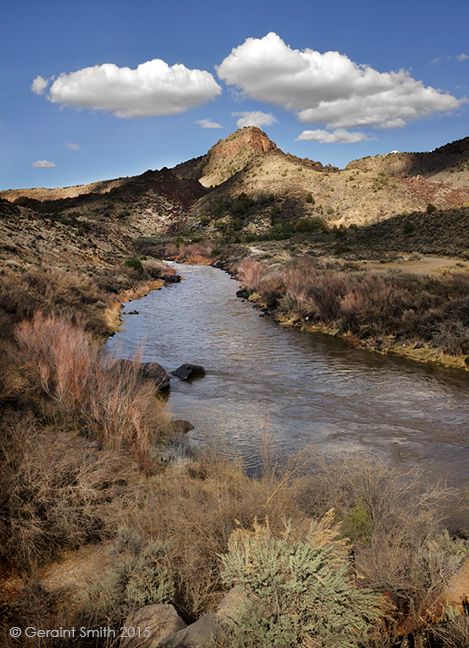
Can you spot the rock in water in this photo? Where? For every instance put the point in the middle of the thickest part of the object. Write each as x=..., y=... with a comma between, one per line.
x=189, y=372
x=156, y=373
x=152, y=371
x=159, y=622
x=180, y=426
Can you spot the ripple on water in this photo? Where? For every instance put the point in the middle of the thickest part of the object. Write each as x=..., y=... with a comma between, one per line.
x=299, y=388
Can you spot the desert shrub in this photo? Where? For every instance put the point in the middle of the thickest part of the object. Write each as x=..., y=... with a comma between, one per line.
x=156, y=269
x=55, y=491
x=310, y=199
x=55, y=291
x=454, y=633
x=300, y=589
x=193, y=513
x=430, y=208
x=134, y=263
x=310, y=224
x=372, y=305
x=249, y=273
x=108, y=397
x=138, y=575
x=396, y=522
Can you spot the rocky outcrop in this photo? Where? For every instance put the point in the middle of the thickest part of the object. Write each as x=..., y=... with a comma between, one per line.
x=151, y=625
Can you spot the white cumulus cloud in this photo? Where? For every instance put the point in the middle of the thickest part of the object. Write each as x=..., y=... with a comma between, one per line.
x=152, y=88
x=462, y=57
x=208, y=123
x=254, y=118
x=72, y=146
x=330, y=137
x=39, y=85
x=329, y=87
x=43, y=164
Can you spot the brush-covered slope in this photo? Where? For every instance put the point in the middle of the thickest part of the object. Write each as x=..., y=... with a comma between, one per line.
x=280, y=187
x=448, y=164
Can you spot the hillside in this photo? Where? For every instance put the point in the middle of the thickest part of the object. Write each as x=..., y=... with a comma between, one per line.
x=367, y=191
x=246, y=184
x=448, y=164
x=43, y=193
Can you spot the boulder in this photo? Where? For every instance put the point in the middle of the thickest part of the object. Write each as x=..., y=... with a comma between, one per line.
x=189, y=372
x=150, y=625
x=203, y=633
x=243, y=293
x=180, y=426
x=132, y=312
x=152, y=371
x=156, y=373
x=210, y=630
x=171, y=278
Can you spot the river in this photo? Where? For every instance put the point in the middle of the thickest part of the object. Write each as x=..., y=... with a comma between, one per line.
x=294, y=387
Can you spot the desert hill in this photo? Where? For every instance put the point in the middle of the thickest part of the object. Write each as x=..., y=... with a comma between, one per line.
x=448, y=164
x=366, y=191
x=246, y=184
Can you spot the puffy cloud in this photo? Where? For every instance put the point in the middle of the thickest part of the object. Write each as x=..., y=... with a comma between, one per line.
x=329, y=87
x=39, y=85
x=43, y=164
x=462, y=57
x=208, y=123
x=152, y=88
x=254, y=118
x=72, y=146
x=330, y=137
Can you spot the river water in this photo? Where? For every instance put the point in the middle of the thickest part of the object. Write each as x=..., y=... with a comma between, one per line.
x=294, y=387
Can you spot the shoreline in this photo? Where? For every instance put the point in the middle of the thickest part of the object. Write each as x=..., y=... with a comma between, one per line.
x=422, y=355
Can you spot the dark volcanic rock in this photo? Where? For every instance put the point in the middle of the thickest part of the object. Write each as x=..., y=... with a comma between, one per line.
x=157, y=373
x=152, y=371
x=189, y=372
x=175, y=278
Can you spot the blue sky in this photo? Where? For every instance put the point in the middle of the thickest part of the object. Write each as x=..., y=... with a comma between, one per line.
x=327, y=97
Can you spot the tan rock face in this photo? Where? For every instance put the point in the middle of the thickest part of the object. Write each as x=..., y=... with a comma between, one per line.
x=150, y=625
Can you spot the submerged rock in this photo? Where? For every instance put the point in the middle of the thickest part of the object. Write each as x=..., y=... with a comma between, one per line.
x=132, y=312
x=189, y=372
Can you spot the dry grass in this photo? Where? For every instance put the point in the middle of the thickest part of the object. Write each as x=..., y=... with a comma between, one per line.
x=107, y=398
x=56, y=491
x=371, y=306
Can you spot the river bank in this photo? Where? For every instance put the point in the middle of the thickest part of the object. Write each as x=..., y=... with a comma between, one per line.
x=418, y=317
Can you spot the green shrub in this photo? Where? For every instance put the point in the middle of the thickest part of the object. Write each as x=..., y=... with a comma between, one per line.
x=139, y=576
x=300, y=590
x=134, y=263
x=313, y=224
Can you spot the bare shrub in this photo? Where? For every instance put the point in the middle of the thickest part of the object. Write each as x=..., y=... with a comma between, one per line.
x=156, y=269
x=396, y=521
x=108, y=397
x=250, y=272
x=193, y=513
x=55, y=492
